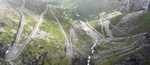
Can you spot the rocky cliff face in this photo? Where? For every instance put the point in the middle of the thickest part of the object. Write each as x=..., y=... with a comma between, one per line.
x=134, y=5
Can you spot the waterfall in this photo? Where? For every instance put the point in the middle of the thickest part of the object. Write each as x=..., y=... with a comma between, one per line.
x=107, y=35
x=96, y=36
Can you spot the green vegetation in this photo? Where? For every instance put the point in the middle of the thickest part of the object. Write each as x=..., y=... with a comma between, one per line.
x=51, y=48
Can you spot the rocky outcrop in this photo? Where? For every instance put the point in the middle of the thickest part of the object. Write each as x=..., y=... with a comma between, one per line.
x=134, y=5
